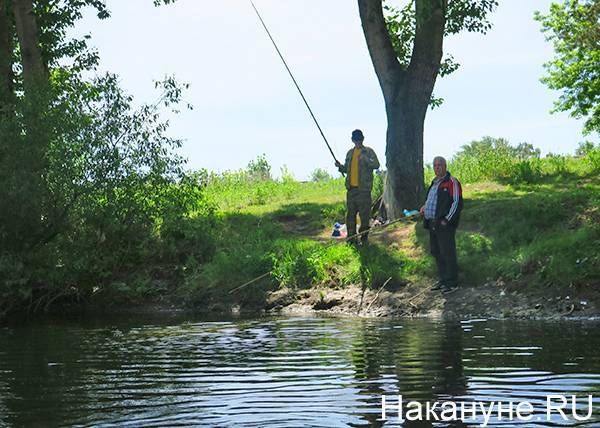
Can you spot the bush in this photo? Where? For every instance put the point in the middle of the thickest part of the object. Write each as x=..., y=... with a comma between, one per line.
x=593, y=159
x=591, y=154
x=259, y=169
x=297, y=264
x=261, y=195
x=189, y=220
x=319, y=175
x=109, y=182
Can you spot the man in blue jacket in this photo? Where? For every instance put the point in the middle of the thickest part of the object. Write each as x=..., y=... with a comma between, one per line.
x=442, y=213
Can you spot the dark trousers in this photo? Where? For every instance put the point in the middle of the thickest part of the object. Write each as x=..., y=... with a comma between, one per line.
x=442, y=240
x=358, y=202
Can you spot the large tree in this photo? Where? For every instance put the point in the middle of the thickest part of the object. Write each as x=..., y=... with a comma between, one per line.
x=573, y=27
x=84, y=179
x=33, y=40
x=406, y=48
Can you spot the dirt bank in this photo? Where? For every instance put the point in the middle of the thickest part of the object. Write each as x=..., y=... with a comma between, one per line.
x=495, y=300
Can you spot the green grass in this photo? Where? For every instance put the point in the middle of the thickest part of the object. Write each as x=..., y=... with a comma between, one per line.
x=545, y=234
x=238, y=192
x=529, y=232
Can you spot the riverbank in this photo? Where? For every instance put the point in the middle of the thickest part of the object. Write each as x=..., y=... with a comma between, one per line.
x=527, y=247
x=525, y=251
x=495, y=300
x=491, y=301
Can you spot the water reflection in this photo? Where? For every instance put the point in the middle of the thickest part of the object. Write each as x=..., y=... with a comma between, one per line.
x=285, y=372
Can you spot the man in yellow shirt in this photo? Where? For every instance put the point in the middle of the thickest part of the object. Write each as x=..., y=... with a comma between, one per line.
x=358, y=167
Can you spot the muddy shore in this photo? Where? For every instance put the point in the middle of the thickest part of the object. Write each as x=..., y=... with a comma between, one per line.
x=489, y=301
x=495, y=300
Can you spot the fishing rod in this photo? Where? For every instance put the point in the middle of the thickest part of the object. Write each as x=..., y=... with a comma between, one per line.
x=295, y=83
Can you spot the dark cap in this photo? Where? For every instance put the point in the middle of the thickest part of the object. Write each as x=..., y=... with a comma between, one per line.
x=357, y=135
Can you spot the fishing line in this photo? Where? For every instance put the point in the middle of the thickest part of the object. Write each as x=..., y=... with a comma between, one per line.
x=294, y=80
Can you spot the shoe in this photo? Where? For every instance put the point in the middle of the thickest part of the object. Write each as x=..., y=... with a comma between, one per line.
x=438, y=286
x=449, y=289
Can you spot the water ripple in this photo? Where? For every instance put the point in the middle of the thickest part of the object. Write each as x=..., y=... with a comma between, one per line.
x=286, y=372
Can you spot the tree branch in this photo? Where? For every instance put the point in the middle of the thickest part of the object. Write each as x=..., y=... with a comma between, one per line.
x=387, y=68
x=428, y=45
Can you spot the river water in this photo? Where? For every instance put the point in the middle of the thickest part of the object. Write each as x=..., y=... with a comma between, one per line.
x=295, y=372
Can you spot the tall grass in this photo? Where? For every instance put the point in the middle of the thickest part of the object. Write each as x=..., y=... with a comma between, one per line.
x=238, y=190
x=494, y=159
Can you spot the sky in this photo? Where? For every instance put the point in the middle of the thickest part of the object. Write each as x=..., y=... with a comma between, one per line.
x=245, y=104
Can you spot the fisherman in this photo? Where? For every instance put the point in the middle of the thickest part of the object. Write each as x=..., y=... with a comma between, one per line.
x=442, y=213
x=359, y=166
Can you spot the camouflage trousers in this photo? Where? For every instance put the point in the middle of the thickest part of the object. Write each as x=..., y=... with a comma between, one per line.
x=358, y=202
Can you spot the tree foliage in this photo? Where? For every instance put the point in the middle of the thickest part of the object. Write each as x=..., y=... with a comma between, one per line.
x=406, y=49
x=502, y=146
x=55, y=19
x=461, y=15
x=573, y=27
x=91, y=187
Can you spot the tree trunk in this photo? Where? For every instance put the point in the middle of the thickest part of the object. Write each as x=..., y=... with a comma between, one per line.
x=406, y=93
x=6, y=51
x=30, y=154
x=34, y=70
x=404, y=158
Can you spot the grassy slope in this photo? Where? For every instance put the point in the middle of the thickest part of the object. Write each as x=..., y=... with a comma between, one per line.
x=530, y=235
x=544, y=234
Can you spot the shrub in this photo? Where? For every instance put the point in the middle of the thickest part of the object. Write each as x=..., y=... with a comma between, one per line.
x=584, y=148
x=110, y=178
x=494, y=159
x=486, y=159
x=592, y=157
x=319, y=175
x=259, y=169
x=261, y=195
